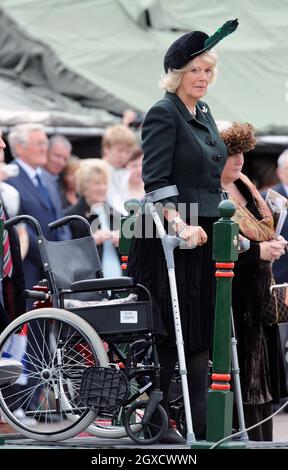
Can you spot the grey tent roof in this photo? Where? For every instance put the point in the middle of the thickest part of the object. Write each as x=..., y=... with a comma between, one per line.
x=36, y=86
x=19, y=104
x=108, y=53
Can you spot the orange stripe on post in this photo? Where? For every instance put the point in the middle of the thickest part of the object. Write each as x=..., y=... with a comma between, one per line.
x=221, y=377
x=222, y=387
x=124, y=258
x=123, y=266
x=225, y=265
x=224, y=274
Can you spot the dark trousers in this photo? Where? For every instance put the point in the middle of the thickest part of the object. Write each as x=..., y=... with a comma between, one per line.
x=256, y=413
x=197, y=377
x=253, y=414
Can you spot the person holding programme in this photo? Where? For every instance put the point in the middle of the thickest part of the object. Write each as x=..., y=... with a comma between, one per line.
x=182, y=147
x=280, y=267
x=261, y=363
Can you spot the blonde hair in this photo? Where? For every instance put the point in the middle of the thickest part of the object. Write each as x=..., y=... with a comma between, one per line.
x=90, y=167
x=72, y=164
x=171, y=80
x=118, y=134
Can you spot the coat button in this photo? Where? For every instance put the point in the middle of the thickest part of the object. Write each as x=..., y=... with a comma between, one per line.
x=215, y=190
x=210, y=141
x=217, y=158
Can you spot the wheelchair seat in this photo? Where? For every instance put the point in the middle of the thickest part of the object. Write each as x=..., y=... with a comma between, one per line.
x=73, y=271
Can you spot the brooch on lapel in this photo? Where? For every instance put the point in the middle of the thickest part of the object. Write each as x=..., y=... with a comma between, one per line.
x=204, y=109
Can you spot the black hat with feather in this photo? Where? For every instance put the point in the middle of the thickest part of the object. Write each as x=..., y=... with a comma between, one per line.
x=190, y=45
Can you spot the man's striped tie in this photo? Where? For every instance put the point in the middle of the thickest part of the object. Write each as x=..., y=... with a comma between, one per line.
x=7, y=262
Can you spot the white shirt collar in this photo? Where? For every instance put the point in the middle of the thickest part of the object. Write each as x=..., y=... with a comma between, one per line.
x=285, y=186
x=29, y=170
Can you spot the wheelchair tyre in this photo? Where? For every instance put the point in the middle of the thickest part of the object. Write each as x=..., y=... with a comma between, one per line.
x=64, y=344
x=152, y=431
x=108, y=431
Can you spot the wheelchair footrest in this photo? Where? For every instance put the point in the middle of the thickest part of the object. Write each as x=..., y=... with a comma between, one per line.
x=103, y=388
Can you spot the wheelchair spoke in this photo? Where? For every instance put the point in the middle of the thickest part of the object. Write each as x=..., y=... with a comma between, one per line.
x=59, y=347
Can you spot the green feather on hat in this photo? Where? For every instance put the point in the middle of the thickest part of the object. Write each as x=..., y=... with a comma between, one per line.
x=226, y=29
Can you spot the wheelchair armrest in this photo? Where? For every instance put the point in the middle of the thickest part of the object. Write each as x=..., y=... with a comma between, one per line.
x=103, y=284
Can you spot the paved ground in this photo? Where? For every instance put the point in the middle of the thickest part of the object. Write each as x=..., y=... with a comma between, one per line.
x=14, y=441
x=281, y=427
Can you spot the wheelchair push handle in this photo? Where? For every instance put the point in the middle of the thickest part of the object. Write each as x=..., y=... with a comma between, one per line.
x=70, y=218
x=24, y=218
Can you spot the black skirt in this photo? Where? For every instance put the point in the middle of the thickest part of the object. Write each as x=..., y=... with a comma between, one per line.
x=195, y=277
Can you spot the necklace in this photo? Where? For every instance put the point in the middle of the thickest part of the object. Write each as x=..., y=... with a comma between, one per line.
x=191, y=111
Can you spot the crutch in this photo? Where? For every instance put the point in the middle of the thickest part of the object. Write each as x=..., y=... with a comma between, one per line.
x=237, y=383
x=244, y=245
x=169, y=243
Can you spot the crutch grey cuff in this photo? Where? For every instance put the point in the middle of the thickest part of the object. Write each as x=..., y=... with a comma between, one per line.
x=161, y=194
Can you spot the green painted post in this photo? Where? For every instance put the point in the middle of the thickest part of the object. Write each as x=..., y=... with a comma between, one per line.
x=225, y=252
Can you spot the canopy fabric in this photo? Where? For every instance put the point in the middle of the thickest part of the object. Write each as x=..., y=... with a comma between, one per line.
x=108, y=54
x=20, y=104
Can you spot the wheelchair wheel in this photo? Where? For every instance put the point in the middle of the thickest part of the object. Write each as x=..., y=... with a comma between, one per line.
x=60, y=346
x=152, y=431
x=181, y=421
x=108, y=427
x=113, y=427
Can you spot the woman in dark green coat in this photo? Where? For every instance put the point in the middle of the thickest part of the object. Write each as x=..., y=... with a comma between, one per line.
x=182, y=147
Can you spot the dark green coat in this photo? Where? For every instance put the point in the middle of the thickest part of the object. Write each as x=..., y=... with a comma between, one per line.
x=184, y=150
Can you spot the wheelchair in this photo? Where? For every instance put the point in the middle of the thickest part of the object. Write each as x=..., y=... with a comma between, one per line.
x=95, y=360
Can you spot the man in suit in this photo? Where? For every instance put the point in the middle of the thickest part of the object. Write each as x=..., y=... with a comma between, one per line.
x=280, y=267
x=59, y=152
x=28, y=145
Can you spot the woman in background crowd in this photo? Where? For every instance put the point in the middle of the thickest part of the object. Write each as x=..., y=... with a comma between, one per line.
x=135, y=181
x=92, y=179
x=67, y=182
